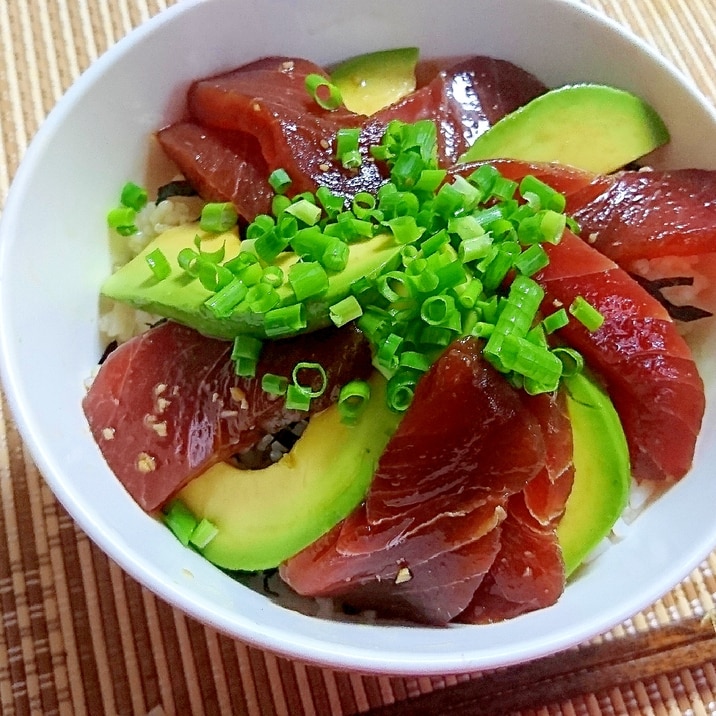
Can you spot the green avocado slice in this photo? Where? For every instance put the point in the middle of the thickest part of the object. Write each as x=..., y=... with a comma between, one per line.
x=182, y=298
x=266, y=516
x=589, y=126
x=602, y=477
x=375, y=80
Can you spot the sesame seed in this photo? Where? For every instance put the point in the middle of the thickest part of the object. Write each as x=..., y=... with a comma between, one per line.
x=324, y=167
x=162, y=405
x=404, y=575
x=146, y=463
x=108, y=433
x=160, y=429
x=159, y=388
x=325, y=144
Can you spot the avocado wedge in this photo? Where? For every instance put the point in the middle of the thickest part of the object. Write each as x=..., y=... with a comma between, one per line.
x=266, y=516
x=589, y=126
x=602, y=477
x=375, y=80
x=182, y=298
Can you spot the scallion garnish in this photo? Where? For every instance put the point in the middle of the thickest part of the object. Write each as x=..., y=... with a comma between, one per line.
x=274, y=384
x=346, y=310
x=314, y=369
x=180, y=520
x=352, y=399
x=217, y=217
x=323, y=92
x=586, y=314
x=279, y=180
x=133, y=196
x=203, y=533
x=158, y=264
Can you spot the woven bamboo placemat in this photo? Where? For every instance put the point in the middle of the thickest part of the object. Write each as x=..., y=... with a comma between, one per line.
x=78, y=636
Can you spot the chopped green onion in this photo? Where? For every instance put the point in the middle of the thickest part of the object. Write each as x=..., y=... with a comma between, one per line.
x=305, y=211
x=218, y=217
x=297, y=398
x=269, y=245
x=180, y=520
x=401, y=390
x=572, y=360
x=262, y=297
x=203, y=533
x=159, y=264
x=555, y=321
x=246, y=347
x=532, y=259
x=548, y=197
x=223, y=302
x=273, y=276
x=352, y=400
x=347, y=147
x=122, y=218
x=469, y=293
x=133, y=196
x=274, y=384
x=414, y=360
x=245, y=367
x=308, y=279
x=335, y=255
x=285, y=321
x=345, y=311
x=315, y=368
x=387, y=353
x=279, y=180
x=586, y=314
x=323, y=92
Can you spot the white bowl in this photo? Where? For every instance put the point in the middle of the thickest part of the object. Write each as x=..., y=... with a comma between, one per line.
x=54, y=254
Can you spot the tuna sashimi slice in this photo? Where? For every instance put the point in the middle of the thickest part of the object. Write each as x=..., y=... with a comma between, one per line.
x=467, y=432
x=221, y=166
x=528, y=571
x=167, y=404
x=400, y=579
x=268, y=99
x=637, y=215
x=546, y=495
x=465, y=100
x=646, y=365
x=439, y=496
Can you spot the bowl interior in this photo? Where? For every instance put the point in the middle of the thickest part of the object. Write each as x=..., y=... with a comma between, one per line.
x=53, y=259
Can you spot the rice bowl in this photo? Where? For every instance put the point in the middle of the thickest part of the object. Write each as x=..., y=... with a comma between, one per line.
x=636, y=571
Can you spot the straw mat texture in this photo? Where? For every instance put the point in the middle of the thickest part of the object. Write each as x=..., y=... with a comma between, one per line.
x=78, y=636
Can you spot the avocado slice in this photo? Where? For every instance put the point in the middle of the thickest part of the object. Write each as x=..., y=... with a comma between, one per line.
x=375, y=80
x=589, y=126
x=182, y=298
x=266, y=516
x=602, y=476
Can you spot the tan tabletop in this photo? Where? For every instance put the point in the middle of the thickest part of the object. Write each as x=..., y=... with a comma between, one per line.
x=78, y=636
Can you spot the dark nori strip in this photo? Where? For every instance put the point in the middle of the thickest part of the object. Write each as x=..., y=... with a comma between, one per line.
x=110, y=347
x=181, y=187
x=678, y=313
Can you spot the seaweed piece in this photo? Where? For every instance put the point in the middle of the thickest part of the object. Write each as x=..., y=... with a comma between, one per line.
x=181, y=187
x=678, y=313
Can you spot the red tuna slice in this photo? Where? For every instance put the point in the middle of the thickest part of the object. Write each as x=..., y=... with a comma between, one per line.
x=424, y=577
x=467, y=432
x=466, y=100
x=167, y=404
x=269, y=100
x=527, y=574
x=546, y=495
x=564, y=179
x=648, y=214
x=221, y=166
x=646, y=365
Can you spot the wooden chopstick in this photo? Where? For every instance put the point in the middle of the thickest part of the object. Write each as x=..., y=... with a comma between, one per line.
x=587, y=669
